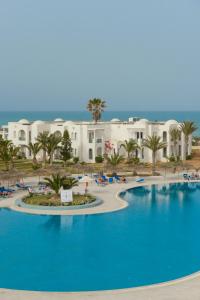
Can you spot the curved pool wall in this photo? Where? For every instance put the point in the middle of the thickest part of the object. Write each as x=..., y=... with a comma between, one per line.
x=156, y=238
x=22, y=204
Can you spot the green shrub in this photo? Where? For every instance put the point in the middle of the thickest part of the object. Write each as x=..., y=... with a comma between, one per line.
x=172, y=158
x=135, y=160
x=75, y=159
x=99, y=159
x=188, y=157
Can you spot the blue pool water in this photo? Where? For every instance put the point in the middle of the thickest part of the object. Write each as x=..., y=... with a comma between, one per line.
x=155, y=239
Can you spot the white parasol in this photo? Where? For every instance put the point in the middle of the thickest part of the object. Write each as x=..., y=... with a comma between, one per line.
x=86, y=179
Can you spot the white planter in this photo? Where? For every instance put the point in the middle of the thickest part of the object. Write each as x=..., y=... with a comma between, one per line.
x=66, y=195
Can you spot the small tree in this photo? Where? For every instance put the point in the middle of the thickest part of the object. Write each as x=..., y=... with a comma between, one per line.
x=114, y=160
x=187, y=128
x=175, y=135
x=154, y=143
x=52, y=144
x=55, y=182
x=130, y=146
x=7, y=153
x=69, y=183
x=66, y=148
x=13, y=151
x=34, y=148
x=43, y=141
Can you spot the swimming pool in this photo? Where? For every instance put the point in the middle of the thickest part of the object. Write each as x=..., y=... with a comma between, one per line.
x=155, y=239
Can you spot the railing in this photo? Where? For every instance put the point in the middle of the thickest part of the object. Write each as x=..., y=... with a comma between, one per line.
x=99, y=141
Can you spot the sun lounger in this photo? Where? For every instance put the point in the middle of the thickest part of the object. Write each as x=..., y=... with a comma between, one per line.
x=22, y=186
x=139, y=180
x=104, y=178
x=117, y=178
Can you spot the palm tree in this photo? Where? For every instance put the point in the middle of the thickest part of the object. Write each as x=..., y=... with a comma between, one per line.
x=96, y=107
x=69, y=183
x=7, y=153
x=130, y=146
x=55, y=182
x=43, y=141
x=175, y=135
x=13, y=151
x=115, y=159
x=187, y=128
x=154, y=143
x=52, y=145
x=34, y=148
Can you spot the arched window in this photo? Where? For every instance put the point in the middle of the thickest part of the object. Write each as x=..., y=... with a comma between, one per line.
x=90, y=154
x=58, y=134
x=22, y=135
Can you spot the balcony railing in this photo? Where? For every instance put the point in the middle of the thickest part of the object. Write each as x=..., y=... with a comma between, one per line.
x=99, y=141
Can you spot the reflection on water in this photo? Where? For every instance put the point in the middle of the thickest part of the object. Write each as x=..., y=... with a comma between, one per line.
x=161, y=196
x=58, y=222
x=61, y=222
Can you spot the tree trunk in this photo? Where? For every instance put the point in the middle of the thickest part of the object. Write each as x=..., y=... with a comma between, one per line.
x=51, y=159
x=175, y=151
x=186, y=146
x=153, y=163
x=11, y=164
x=35, y=161
x=6, y=165
x=44, y=158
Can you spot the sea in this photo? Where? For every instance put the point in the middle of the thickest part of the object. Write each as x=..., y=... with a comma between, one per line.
x=8, y=116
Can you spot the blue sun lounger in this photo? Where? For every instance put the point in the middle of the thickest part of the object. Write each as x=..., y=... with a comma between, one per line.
x=139, y=180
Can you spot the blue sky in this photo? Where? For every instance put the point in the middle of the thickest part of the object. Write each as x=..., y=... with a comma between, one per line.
x=136, y=54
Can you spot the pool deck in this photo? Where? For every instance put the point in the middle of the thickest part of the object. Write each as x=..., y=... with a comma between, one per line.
x=187, y=288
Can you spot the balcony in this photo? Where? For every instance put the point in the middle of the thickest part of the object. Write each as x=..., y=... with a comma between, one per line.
x=99, y=140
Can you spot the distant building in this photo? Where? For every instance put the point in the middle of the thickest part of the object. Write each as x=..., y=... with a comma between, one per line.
x=90, y=140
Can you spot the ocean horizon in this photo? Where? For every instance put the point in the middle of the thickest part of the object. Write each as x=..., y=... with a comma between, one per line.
x=8, y=116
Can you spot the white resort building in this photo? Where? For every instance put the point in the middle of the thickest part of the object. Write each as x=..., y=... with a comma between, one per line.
x=89, y=139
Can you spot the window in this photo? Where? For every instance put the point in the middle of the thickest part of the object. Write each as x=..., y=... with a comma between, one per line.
x=165, y=152
x=99, y=141
x=58, y=134
x=136, y=153
x=90, y=154
x=29, y=136
x=164, y=136
x=137, y=135
x=141, y=135
x=91, y=136
x=22, y=135
x=99, y=151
